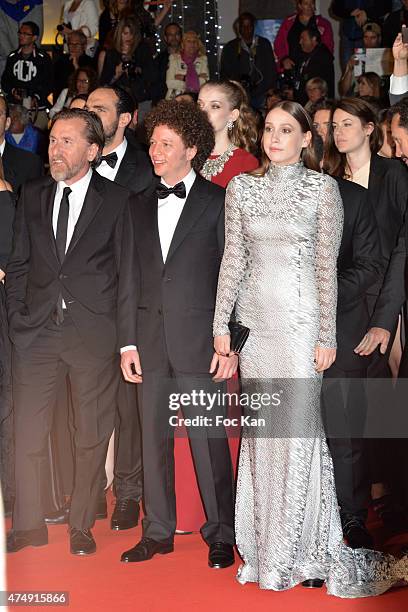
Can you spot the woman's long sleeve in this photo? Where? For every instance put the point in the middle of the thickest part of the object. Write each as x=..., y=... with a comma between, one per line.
x=234, y=261
x=329, y=233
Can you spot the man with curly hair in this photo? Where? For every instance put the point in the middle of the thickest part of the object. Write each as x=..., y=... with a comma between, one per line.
x=179, y=225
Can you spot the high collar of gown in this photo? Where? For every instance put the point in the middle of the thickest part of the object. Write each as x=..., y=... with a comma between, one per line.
x=286, y=173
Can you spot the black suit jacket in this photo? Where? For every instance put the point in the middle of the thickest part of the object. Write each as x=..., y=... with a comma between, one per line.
x=135, y=170
x=388, y=194
x=174, y=301
x=91, y=276
x=358, y=267
x=20, y=166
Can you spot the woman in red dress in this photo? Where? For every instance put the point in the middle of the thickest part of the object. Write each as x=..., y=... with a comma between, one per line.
x=236, y=138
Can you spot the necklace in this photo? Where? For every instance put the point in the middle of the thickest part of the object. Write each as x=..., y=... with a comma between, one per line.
x=215, y=166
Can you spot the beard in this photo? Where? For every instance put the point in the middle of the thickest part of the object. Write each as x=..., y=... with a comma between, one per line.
x=65, y=171
x=110, y=131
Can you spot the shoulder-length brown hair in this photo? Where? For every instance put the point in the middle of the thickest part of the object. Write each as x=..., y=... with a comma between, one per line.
x=335, y=163
x=308, y=155
x=134, y=26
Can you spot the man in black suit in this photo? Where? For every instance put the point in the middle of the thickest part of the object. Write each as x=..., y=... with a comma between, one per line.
x=129, y=166
x=344, y=405
x=72, y=250
x=121, y=161
x=19, y=166
x=179, y=225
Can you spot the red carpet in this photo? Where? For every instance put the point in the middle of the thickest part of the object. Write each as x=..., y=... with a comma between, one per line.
x=175, y=582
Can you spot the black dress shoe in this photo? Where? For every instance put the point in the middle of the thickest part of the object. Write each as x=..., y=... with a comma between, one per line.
x=313, y=583
x=355, y=532
x=81, y=541
x=146, y=548
x=221, y=555
x=125, y=514
x=101, y=509
x=16, y=540
x=59, y=517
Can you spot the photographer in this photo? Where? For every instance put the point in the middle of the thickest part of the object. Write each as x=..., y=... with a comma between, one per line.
x=27, y=78
x=129, y=63
x=250, y=60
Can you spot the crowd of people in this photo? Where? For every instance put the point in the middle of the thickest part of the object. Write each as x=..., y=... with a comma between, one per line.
x=174, y=205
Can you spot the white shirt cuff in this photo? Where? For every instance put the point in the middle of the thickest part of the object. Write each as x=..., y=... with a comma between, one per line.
x=399, y=84
x=130, y=347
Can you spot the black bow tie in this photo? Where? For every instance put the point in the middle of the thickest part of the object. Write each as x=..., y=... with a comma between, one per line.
x=111, y=159
x=179, y=190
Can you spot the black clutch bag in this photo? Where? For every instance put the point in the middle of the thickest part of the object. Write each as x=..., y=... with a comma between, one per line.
x=239, y=334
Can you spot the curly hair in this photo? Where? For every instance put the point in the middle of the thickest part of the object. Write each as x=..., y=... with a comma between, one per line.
x=189, y=122
x=244, y=133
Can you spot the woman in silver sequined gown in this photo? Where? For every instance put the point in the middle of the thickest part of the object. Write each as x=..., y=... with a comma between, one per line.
x=283, y=232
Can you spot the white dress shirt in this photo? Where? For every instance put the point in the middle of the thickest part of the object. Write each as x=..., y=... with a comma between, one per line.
x=2, y=145
x=169, y=211
x=399, y=84
x=104, y=168
x=168, y=214
x=76, y=200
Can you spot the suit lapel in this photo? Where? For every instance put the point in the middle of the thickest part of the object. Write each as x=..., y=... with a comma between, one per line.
x=126, y=170
x=47, y=208
x=152, y=227
x=375, y=177
x=91, y=205
x=196, y=203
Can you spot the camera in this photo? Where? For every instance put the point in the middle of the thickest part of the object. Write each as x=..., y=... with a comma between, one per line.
x=131, y=68
x=61, y=26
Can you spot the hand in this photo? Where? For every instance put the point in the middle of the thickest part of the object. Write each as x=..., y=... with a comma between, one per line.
x=118, y=71
x=400, y=49
x=2, y=274
x=222, y=345
x=180, y=77
x=324, y=358
x=227, y=366
x=127, y=359
x=66, y=31
x=167, y=5
x=287, y=63
x=374, y=337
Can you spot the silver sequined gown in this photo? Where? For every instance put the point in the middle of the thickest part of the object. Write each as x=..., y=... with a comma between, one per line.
x=283, y=234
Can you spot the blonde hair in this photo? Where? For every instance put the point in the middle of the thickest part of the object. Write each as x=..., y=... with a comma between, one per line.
x=192, y=34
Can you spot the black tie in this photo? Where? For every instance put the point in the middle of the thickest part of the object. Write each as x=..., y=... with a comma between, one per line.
x=179, y=190
x=110, y=159
x=61, y=242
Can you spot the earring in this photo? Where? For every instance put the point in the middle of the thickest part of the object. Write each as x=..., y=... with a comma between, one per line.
x=230, y=124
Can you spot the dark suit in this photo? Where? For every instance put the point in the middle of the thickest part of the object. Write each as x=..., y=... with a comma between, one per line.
x=388, y=194
x=135, y=173
x=90, y=279
x=173, y=312
x=20, y=166
x=343, y=398
x=135, y=170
